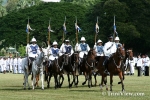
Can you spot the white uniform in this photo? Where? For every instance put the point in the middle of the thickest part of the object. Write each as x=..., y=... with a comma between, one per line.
x=7, y=62
x=15, y=65
x=66, y=49
x=11, y=64
x=132, y=64
x=109, y=48
x=1, y=65
x=4, y=65
x=99, y=50
x=19, y=65
x=33, y=50
x=53, y=53
x=83, y=48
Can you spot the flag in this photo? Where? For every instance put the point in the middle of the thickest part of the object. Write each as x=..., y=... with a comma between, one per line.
x=97, y=28
x=49, y=29
x=64, y=28
x=77, y=27
x=29, y=28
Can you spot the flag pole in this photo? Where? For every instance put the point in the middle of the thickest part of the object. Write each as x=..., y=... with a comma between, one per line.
x=114, y=30
x=49, y=28
x=96, y=30
x=63, y=31
x=76, y=32
x=28, y=32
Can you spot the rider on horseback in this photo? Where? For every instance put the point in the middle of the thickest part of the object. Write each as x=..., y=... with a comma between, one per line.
x=109, y=49
x=83, y=48
x=99, y=49
x=66, y=48
x=54, y=51
x=32, y=51
x=117, y=42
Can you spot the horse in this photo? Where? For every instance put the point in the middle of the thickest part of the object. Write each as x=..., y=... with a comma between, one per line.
x=37, y=68
x=55, y=68
x=25, y=68
x=114, y=67
x=88, y=66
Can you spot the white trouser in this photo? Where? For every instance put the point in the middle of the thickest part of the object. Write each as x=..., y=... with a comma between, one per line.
x=15, y=68
x=81, y=54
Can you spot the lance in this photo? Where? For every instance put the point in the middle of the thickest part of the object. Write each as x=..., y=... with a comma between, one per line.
x=114, y=30
x=64, y=29
x=28, y=32
x=96, y=30
x=76, y=31
x=49, y=29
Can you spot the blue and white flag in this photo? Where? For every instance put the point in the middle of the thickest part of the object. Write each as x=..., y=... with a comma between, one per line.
x=64, y=28
x=77, y=27
x=29, y=28
x=115, y=27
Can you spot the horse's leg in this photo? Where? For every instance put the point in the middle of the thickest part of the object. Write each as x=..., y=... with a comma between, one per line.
x=61, y=76
x=85, y=79
x=25, y=80
x=73, y=81
x=95, y=79
x=77, y=80
x=42, y=81
x=33, y=81
x=37, y=79
x=111, y=80
x=121, y=78
x=89, y=80
x=68, y=80
x=55, y=78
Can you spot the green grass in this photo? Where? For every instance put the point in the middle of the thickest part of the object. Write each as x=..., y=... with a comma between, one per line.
x=11, y=88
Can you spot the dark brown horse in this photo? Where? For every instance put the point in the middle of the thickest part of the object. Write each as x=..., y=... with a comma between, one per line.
x=55, y=69
x=70, y=66
x=87, y=66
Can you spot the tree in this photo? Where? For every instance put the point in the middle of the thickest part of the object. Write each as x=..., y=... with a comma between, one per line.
x=21, y=50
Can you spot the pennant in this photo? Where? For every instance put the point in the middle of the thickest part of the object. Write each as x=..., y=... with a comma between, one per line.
x=49, y=29
x=64, y=28
x=77, y=27
x=96, y=28
x=29, y=28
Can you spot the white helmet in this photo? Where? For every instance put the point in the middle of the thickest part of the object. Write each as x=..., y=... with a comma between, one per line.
x=117, y=38
x=33, y=40
x=66, y=40
x=99, y=41
x=82, y=39
x=55, y=43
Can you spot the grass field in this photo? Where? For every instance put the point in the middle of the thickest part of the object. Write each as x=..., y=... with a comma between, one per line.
x=136, y=88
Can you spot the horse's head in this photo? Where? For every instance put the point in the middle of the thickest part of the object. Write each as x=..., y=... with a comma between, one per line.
x=92, y=52
x=66, y=59
x=76, y=57
x=41, y=53
x=129, y=54
x=121, y=52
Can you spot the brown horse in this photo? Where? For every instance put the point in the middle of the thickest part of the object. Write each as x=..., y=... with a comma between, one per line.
x=55, y=69
x=114, y=67
x=71, y=67
x=87, y=66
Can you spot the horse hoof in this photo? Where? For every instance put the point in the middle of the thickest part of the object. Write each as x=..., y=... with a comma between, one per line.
x=28, y=88
x=123, y=90
x=119, y=82
x=24, y=88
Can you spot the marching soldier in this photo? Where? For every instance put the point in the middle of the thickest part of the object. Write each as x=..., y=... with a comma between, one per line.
x=109, y=49
x=19, y=65
x=15, y=65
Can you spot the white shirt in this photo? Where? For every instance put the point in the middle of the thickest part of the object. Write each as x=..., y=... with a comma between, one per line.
x=109, y=48
x=139, y=62
x=63, y=49
x=31, y=52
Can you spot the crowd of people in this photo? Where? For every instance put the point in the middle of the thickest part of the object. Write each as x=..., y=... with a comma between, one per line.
x=141, y=62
